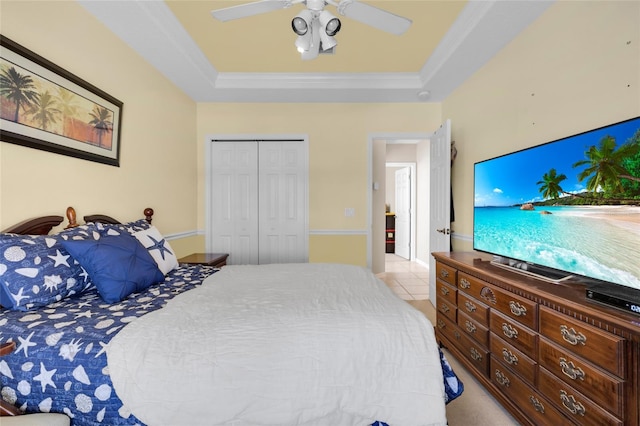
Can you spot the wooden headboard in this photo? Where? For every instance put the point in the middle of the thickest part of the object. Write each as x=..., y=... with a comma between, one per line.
x=44, y=224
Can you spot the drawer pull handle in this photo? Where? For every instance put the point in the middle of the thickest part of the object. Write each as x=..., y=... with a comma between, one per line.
x=444, y=308
x=444, y=291
x=571, y=404
x=517, y=309
x=536, y=404
x=457, y=335
x=471, y=328
x=477, y=356
x=444, y=273
x=570, y=370
x=509, y=357
x=464, y=283
x=509, y=331
x=572, y=337
x=502, y=379
x=470, y=306
x=441, y=324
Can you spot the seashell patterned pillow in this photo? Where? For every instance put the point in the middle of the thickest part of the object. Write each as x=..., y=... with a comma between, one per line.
x=35, y=270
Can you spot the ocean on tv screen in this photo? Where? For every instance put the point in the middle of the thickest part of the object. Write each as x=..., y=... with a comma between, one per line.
x=596, y=242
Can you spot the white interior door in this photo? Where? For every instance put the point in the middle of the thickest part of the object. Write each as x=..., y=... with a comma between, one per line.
x=234, y=200
x=403, y=213
x=282, y=177
x=440, y=196
x=258, y=201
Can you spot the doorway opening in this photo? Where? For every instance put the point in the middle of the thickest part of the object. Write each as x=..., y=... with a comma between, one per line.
x=400, y=198
x=398, y=150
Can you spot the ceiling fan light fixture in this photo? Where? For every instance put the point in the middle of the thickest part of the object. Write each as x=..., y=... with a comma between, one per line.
x=303, y=42
x=329, y=23
x=327, y=42
x=301, y=22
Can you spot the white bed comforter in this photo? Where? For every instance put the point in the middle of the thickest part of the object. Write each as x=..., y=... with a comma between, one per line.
x=297, y=344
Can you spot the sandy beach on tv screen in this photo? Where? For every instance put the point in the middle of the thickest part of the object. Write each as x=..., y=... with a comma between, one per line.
x=627, y=216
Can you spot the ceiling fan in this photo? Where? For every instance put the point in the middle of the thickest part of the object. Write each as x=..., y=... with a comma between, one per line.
x=316, y=26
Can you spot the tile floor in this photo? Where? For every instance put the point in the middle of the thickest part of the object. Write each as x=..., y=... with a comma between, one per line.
x=409, y=280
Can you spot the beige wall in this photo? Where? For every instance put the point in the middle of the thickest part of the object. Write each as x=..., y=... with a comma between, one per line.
x=158, y=150
x=576, y=68
x=339, y=137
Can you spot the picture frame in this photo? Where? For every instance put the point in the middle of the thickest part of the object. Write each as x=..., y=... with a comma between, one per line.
x=43, y=106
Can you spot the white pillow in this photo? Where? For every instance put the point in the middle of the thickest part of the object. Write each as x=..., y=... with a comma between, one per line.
x=158, y=248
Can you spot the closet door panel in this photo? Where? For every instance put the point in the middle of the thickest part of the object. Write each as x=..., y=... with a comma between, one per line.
x=234, y=200
x=282, y=202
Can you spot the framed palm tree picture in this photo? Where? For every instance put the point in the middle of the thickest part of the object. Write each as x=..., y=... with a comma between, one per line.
x=46, y=107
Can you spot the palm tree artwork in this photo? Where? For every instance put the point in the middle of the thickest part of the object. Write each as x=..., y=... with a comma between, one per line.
x=18, y=88
x=45, y=111
x=28, y=99
x=101, y=121
x=68, y=107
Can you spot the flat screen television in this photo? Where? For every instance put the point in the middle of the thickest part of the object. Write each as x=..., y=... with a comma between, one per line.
x=566, y=208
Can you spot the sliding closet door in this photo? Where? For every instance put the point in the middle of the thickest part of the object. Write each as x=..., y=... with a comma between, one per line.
x=234, y=201
x=282, y=202
x=259, y=201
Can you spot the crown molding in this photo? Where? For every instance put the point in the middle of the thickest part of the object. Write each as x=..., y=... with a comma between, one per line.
x=482, y=29
x=153, y=31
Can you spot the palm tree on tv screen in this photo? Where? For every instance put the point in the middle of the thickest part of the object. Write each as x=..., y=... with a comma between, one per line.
x=550, y=184
x=18, y=88
x=605, y=165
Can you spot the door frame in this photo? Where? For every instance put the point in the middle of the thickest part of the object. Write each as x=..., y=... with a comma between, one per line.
x=412, y=212
x=208, y=216
x=392, y=137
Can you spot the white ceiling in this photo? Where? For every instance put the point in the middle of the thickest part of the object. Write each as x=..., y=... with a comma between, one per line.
x=254, y=59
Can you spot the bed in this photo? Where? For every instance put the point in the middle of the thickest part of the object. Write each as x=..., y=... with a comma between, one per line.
x=121, y=334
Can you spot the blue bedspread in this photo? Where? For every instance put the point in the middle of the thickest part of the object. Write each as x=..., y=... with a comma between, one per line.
x=60, y=363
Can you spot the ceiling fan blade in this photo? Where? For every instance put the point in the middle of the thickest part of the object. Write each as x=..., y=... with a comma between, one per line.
x=373, y=16
x=249, y=9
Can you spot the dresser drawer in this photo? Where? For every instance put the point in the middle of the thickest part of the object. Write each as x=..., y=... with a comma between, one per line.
x=600, y=347
x=447, y=329
x=572, y=403
x=599, y=386
x=472, y=307
x=446, y=273
x=520, y=309
x=514, y=359
x=470, y=285
x=523, y=310
x=519, y=336
x=538, y=409
x=447, y=309
x=446, y=292
x=477, y=331
x=475, y=353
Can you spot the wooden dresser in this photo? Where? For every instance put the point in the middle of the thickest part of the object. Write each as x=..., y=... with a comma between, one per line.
x=548, y=355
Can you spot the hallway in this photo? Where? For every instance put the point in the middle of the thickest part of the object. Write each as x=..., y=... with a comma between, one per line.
x=409, y=280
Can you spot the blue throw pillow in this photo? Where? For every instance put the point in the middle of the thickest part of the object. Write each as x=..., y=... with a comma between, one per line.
x=35, y=271
x=117, y=265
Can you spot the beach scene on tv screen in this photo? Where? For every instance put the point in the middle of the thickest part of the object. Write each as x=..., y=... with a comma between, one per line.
x=572, y=204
